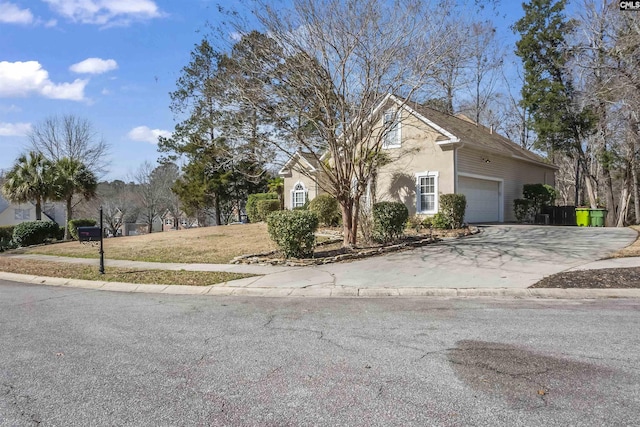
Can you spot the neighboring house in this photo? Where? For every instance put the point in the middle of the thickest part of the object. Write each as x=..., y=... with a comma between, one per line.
x=170, y=222
x=434, y=153
x=57, y=211
x=15, y=213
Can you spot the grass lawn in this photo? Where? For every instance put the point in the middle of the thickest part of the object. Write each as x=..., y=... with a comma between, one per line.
x=631, y=250
x=113, y=274
x=212, y=245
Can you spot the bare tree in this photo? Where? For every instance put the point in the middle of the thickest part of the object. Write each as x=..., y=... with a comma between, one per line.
x=71, y=137
x=336, y=61
x=154, y=190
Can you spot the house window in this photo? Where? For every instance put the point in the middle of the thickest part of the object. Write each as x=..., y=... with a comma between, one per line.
x=298, y=195
x=168, y=221
x=427, y=192
x=391, y=129
x=22, y=214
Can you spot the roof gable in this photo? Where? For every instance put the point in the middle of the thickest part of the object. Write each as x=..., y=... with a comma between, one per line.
x=307, y=160
x=461, y=131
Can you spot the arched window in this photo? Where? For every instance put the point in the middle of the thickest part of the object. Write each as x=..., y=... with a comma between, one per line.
x=298, y=195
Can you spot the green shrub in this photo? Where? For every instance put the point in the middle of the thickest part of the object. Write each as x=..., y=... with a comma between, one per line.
x=293, y=232
x=453, y=207
x=414, y=222
x=522, y=209
x=327, y=209
x=440, y=221
x=34, y=232
x=540, y=195
x=252, y=208
x=389, y=219
x=6, y=232
x=427, y=222
x=81, y=222
x=265, y=207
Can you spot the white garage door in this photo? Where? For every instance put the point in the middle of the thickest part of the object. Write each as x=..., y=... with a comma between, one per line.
x=483, y=199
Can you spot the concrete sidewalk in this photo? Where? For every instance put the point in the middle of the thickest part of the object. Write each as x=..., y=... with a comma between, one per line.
x=313, y=282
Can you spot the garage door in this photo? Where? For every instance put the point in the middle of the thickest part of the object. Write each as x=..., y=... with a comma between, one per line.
x=483, y=199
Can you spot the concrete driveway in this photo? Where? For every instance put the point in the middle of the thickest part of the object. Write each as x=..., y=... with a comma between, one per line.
x=501, y=256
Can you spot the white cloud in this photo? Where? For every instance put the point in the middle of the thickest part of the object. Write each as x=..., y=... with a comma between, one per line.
x=21, y=79
x=94, y=66
x=14, y=129
x=106, y=12
x=143, y=133
x=12, y=14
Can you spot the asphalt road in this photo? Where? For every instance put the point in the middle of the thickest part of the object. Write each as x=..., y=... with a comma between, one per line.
x=83, y=357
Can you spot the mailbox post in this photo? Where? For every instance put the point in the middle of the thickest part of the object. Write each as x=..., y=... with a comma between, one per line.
x=101, y=247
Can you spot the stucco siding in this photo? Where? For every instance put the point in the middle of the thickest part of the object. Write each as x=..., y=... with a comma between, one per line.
x=419, y=153
x=290, y=181
x=513, y=172
x=8, y=216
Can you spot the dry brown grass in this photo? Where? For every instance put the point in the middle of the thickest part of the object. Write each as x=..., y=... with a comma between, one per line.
x=631, y=250
x=113, y=274
x=213, y=245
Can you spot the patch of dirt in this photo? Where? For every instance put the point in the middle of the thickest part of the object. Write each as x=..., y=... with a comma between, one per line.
x=608, y=278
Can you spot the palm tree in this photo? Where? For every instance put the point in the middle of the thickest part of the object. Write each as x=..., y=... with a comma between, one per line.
x=28, y=180
x=72, y=177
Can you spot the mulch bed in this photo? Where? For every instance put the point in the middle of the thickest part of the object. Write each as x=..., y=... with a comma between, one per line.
x=608, y=278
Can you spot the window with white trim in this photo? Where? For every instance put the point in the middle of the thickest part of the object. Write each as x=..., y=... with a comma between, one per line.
x=391, y=129
x=427, y=193
x=298, y=195
x=22, y=214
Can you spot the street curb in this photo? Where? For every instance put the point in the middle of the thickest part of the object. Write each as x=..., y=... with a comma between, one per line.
x=325, y=291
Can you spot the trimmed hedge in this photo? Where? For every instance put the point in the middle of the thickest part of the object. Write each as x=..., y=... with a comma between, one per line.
x=540, y=195
x=265, y=207
x=293, y=232
x=34, y=232
x=523, y=209
x=453, y=207
x=327, y=209
x=252, y=208
x=389, y=219
x=6, y=232
x=82, y=222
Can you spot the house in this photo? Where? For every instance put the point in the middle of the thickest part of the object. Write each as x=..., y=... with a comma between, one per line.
x=432, y=153
x=170, y=222
x=15, y=213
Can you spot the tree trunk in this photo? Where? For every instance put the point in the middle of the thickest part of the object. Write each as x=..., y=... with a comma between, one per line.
x=610, y=201
x=218, y=216
x=38, y=209
x=67, y=234
x=634, y=180
x=348, y=235
x=625, y=197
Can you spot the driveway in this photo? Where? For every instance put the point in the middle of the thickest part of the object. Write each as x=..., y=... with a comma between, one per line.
x=501, y=256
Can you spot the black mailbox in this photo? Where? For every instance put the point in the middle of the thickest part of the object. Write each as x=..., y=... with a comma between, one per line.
x=88, y=234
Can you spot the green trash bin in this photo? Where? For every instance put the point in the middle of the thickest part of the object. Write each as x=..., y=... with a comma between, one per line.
x=597, y=217
x=582, y=217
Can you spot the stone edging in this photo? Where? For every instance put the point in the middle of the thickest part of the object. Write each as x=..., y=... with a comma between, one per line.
x=266, y=258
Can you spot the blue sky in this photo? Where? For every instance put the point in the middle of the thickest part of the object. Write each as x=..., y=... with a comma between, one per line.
x=112, y=62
